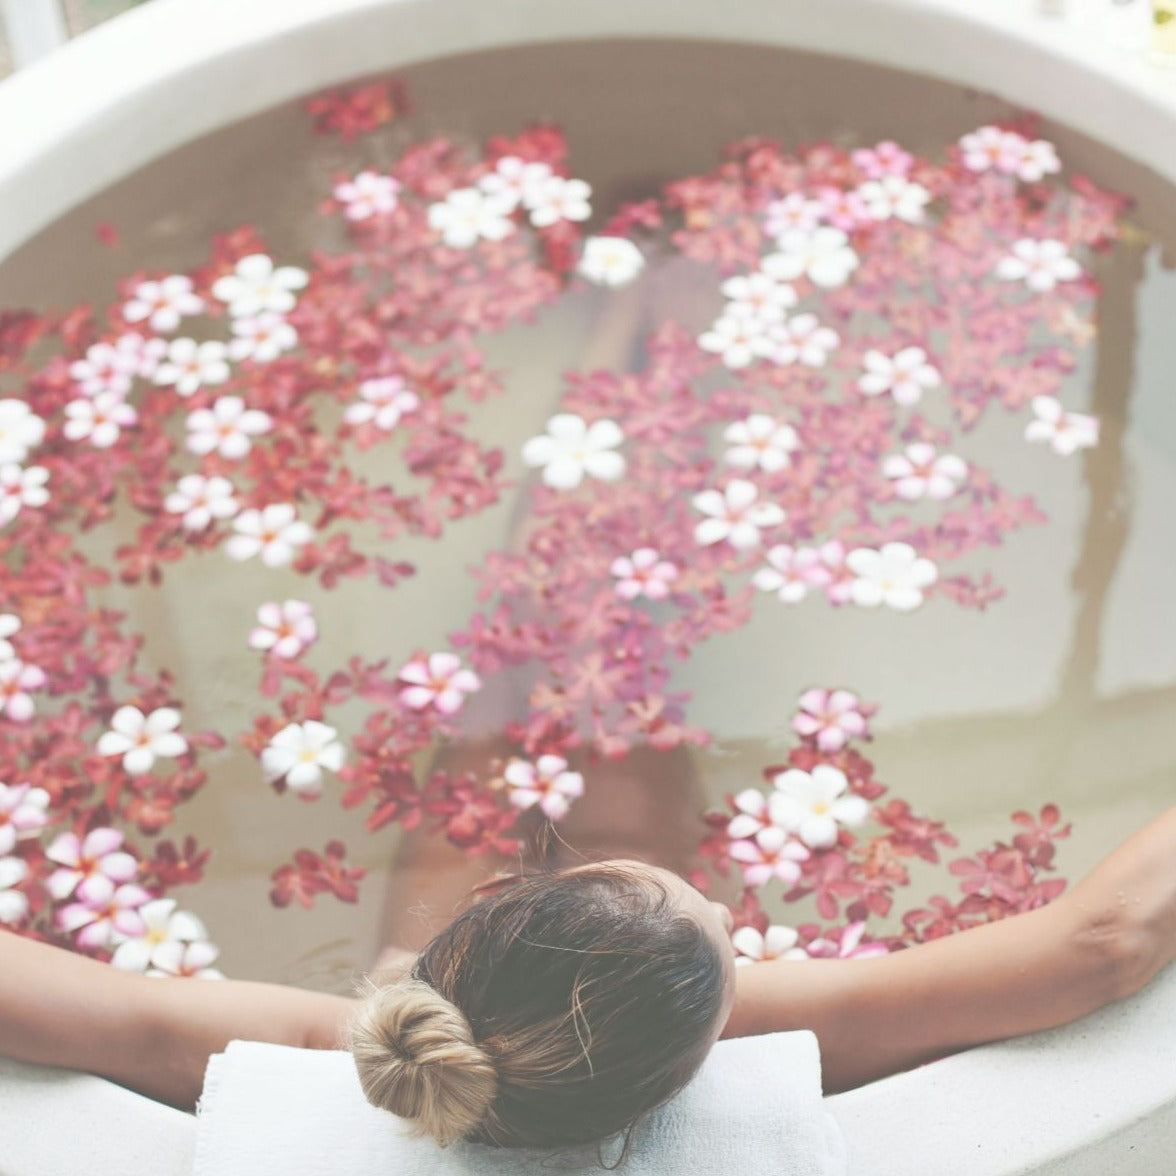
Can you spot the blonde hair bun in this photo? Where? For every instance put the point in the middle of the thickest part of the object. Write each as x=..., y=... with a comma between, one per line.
x=416, y=1057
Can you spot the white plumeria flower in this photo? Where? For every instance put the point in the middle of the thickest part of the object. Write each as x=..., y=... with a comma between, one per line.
x=23, y=813
x=796, y=212
x=163, y=303
x=162, y=925
x=760, y=442
x=771, y=853
x=813, y=804
x=191, y=365
x=824, y=255
x=100, y=922
x=140, y=738
x=300, y=751
x=384, y=401
x=895, y=576
x=557, y=199
x=273, y=533
x=546, y=782
x=802, y=340
x=367, y=194
x=754, y=814
x=108, y=367
x=200, y=500
x=758, y=296
x=734, y=515
x=903, y=375
x=514, y=181
x=16, y=680
x=9, y=624
x=643, y=573
x=286, y=629
x=921, y=472
x=261, y=337
x=991, y=147
x=572, y=448
x=1036, y=160
x=186, y=959
x=13, y=904
x=467, y=215
x=611, y=261
x=226, y=427
x=439, y=681
x=1066, y=432
x=100, y=419
x=255, y=286
x=21, y=487
x=20, y=430
x=791, y=572
x=93, y=867
x=778, y=944
x=895, y=196
x=737, y=336
x=1040, y=264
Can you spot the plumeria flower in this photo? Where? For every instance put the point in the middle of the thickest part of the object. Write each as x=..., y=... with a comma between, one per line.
x=557, y=199
x=895, y=576
x=791, y=572
x=100, y=419
x=107, y=367
x=261, y=337
x=1040, y=264
x=824, y=255
x=848, y=946
x=163, y=303
x=833, y=716
x=467, y=215
x=839, y=586
x=611, y=261
x=1066, y=432
x=991, y=147
x=274, y=532
x=163, y=926
x=140, y=738
x=186, y=960
x=802, y=339
x=737, y=335
x=894, y=196
x=255, y=286
x=771, y=853
x=299, y=752
x=20, y=430
x=1036, y=160
x=367, y=194
x=13, y=904
x=21, y=487
x=813, y=804
x=98, y=923
x=842, y=209
x=9, y=624
x=758, y=296
x=795, y=211
x=885, y=159
x=143, y=355
x=760, y=442
x=439, y=681
x=383, y=401
x=572, y=448
x=16, y=680
x=191, y=365
x=546, y=782
x=903, y=375
x=514, y=181
x=200, y=500
x=226, y=427
x=778, y=944
x=755, y=813
x=23, y=813
x=98, y=863
x=734, y=515
x=286, y=629
x=643, y=573
x=921, y=472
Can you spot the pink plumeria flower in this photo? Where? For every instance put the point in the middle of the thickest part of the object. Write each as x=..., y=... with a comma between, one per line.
x=791, y=572
x=438, y=681
x=754, y=814
x=843, y=210
x=107, y=367
x=468, y=215
x=20, y=487
x=921, y=472
x=16, y=681
x=140, y=738
x=847, y=946
x=286, y=629
x=514, y=181
x=9, y=625
x=734, y=515
x=795, y=211
x=991, y=147
x=546, y=782
x=758, y=296
x=771, y=853
x=98, y=923
x=885, y=159
x=98, y=863
x=802, y=340
x=1066, y=432
x=904, y=375
x=895, y=576
x=1041, y=265
x=643, y=573
x=163, y=926
x=841, y=577
x=23, y=813
x=739, y=336
x=162, y=303
x=262, y=337
x=228, y=428
x=186, y=960
x=833, y=716
x=100, y=419
x=13, y=904
x=383, y=401
x=20, y=430
x=895, y=197
x=255, y=285
x=823, y=255
x=778, y=944
x=814, y=804
x=367, y=194
x=200, y=500
x=299, y=752
x=274, y=532
x=557, y=199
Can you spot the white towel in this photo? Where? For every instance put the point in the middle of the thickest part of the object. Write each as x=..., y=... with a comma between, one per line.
x=754, y=1106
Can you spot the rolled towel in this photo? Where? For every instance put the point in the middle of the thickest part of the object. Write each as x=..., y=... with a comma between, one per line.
x=754, y=1106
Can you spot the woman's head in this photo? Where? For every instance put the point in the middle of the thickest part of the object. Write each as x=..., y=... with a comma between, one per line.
x=556, y=1011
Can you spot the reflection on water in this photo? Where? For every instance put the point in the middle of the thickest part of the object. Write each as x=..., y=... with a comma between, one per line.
x=1057, y=691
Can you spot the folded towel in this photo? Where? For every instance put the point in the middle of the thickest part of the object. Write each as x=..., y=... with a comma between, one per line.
x=754, y=1106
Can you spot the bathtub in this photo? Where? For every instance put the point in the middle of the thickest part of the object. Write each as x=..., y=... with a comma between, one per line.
x=1095, y=1096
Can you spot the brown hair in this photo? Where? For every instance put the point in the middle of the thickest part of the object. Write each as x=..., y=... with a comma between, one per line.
x=557, y=1011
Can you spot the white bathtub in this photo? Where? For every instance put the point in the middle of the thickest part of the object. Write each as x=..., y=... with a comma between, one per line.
x=1094, y=1097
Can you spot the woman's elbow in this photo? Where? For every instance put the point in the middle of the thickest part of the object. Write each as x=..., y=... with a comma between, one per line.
x=1119, y=950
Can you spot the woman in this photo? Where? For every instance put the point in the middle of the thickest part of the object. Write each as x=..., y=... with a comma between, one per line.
x=567, y=1004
